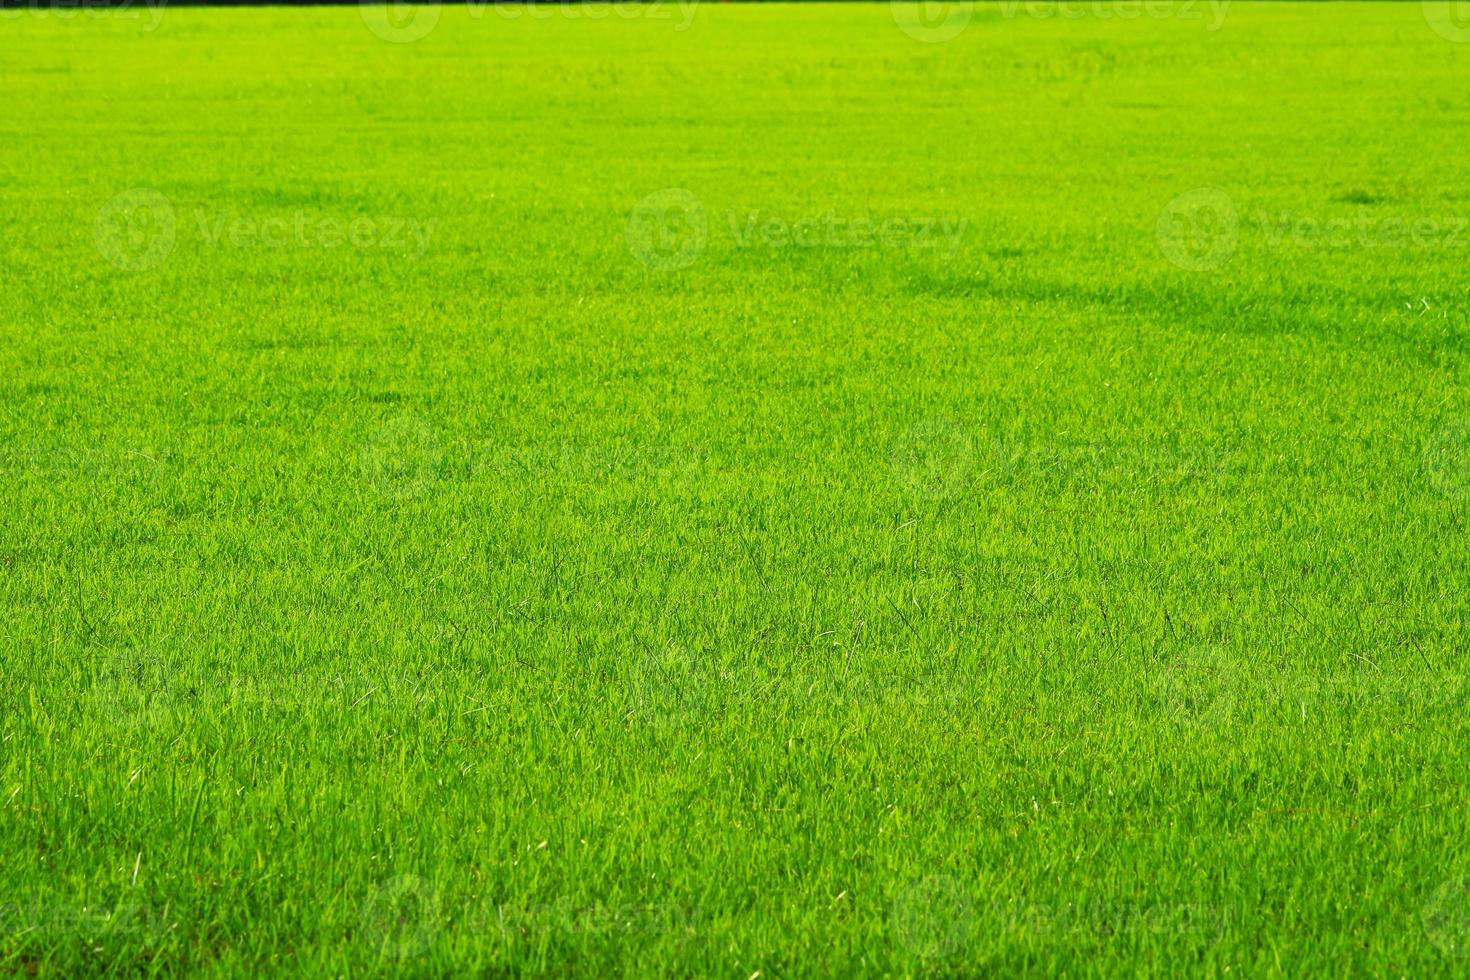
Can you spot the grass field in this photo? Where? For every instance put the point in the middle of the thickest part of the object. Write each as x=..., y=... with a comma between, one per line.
x=712, y=490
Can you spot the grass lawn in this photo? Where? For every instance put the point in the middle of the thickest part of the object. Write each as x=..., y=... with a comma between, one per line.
x=719, y=490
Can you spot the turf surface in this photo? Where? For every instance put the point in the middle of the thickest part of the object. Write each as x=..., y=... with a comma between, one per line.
x=717, y=490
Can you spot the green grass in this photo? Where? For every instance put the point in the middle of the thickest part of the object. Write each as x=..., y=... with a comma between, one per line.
x=756, y=491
